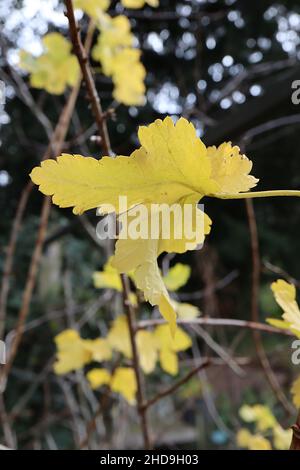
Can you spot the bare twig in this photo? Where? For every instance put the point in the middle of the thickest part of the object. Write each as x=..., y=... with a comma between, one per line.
x=8, y=262
x=265, y=363
x=135, y=360
x=176, y=385
x=230, y=322
x=54, y=148
x=88, y=77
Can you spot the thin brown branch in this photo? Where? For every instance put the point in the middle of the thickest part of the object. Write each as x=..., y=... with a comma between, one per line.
x=256, y=268
x=229, y=322
x=54, y=148
x=88, y=77
x=30, y=283
x=135, y=362
x=176, y=385
x=8, y=262
x=100, y=119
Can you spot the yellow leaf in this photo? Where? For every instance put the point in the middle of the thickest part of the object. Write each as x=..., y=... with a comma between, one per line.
x=109, y=278
x=172, y=166
x=55, y=68
x=177, y=276
x=139, y=3
x=98, y=377
x=258, y=442
x=186, y=311
x=282, y=438
x=296, y=392
x=250, y=441
x=260, y=415
x=168, y=361
x=115, y=35
x=168, y=347
x=243, y=438
x=180, y=342
x=147, y=349
x=72, y=353
x=118, y=336
x=124, y=382
x=128, y=76
x=93, y=8
x=285, y=296
x=100, y=349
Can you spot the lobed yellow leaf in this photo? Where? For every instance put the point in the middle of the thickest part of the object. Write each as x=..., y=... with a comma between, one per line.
x=172, y=166
x=72, y=353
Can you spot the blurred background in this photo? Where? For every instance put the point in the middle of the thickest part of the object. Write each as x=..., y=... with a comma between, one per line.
x=227, y=66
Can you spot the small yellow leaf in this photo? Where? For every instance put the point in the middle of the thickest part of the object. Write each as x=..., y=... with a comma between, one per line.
x=98, y=377
x=282, y=438
x=71, y=352
x=124, y=382
x=55, y=68
x=180, y=342
x=118, y=336
x=100, y=349
x=147, y=349
x=115, y=35
x=258, y=442
x=128, y=77
x=168, y=361
x=243, y=438
x=177, y=276
x=109, y=278
x=186, y=311
x=259, y=414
